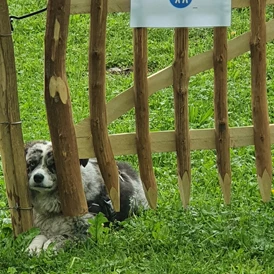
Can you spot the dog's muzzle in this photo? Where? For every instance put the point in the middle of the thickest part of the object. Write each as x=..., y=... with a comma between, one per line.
x=42, y=182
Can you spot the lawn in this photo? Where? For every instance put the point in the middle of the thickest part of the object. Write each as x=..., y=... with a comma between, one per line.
x=207, y=238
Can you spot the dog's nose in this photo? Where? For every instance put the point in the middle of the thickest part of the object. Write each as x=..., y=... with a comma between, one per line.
x=38, y=178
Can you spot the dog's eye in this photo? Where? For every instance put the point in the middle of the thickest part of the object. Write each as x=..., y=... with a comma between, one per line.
x=52, y=168
x=31, y=165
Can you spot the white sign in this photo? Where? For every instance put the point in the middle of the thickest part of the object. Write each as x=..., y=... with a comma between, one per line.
x=180, y=13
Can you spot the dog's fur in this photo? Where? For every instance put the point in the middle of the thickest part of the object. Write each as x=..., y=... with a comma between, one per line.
x=48, y=217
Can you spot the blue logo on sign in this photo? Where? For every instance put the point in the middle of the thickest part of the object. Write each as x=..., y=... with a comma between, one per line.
x=180, y=3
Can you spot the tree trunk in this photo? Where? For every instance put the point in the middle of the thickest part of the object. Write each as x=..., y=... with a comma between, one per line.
x=259, y=98
x=222, y=138
x=143, y=144
x=12, y=145
x=57, y=98
x=180, y=89
x=97, y=91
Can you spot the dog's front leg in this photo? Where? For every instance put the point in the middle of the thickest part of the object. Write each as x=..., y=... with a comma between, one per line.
x=36, y=245
x=57, y=242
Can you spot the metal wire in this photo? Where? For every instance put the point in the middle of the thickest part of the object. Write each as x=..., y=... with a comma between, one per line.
x=16, y=208
x=12, y=17
x=11, y=123
x=5, y=35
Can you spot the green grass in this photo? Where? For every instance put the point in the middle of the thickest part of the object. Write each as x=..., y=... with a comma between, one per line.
x=209, y=237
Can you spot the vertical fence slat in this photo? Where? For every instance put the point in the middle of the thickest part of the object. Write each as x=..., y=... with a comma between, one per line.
x=97, y=91
x=142, y=116
x=180, y=88
x=11, y=138
x=259, y=98
x=222, y=137
x=59, y=113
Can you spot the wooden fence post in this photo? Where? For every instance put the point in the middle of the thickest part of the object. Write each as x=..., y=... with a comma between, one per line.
x=98, y=121
x=11, y=138
x=259, y=98
x=222, y=138
x=143, y=144
x=180, y=88
x=58, y=105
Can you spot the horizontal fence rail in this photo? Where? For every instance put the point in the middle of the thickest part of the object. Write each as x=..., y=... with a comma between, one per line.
x=83, y=6
x=164, y=141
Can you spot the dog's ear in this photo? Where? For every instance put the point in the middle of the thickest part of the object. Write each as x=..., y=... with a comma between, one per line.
x=32, y=143
x=27, y=146
x=83, y=162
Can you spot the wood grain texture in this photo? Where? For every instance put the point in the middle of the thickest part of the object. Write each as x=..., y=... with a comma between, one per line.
x=11, y=137
x=58, y=106
x=222, y=137
x=142, y=116
x=180, y=90
x=97, y=92
x=259, y=98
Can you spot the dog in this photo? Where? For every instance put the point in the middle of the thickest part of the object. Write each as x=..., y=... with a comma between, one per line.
x=43, y=183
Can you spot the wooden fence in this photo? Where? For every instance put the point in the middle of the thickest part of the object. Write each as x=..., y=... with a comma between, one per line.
x=91, y=134
x=182, y=140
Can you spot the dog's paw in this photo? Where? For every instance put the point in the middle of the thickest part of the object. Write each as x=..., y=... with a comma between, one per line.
x=55, y=243
x=36, y=246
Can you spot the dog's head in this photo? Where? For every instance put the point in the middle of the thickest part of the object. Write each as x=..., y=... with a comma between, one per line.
x=40, y=166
